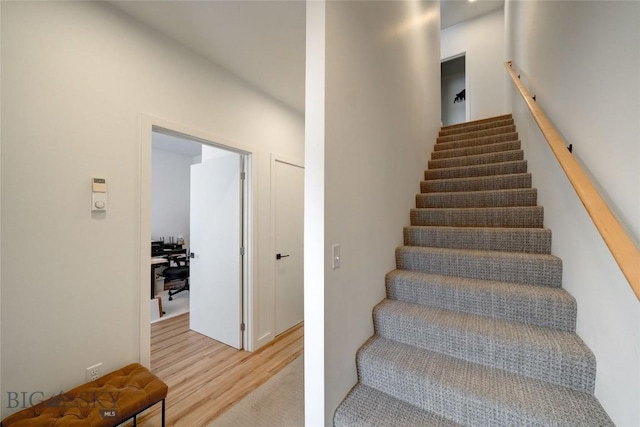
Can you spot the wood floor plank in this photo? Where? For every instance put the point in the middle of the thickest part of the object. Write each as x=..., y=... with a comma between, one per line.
x=206, y=377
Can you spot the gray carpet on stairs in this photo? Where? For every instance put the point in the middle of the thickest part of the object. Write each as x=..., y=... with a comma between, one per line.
x=476, y=329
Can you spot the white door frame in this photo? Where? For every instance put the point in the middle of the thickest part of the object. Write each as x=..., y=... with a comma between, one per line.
x=467, y=106
x=288, y=160
x=149, y=124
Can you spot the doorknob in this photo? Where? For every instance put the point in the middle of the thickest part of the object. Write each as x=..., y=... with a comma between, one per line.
x=278, y=256
x=192, y=255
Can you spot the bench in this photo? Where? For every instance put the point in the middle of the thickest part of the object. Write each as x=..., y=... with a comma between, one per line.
x=107, y=401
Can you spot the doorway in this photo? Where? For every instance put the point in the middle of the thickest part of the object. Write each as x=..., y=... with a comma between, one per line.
x=453, y=90
x=214, y=199
x=171, y=160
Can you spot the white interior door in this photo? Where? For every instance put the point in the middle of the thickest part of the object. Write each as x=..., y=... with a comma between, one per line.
x=289, y=244
x=216, y=237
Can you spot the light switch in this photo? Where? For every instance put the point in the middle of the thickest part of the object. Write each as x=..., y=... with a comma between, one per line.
x=98, y=202
x=335, y=256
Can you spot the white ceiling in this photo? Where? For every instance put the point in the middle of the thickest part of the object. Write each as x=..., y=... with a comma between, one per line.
x=261, y=41
x=453, y=12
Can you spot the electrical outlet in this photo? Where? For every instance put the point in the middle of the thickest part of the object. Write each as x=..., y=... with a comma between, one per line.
x=94, y=372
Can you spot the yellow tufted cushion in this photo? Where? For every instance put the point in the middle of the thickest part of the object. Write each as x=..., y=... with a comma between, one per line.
x=108, y=401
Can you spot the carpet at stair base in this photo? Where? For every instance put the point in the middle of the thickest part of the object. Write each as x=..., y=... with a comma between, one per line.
x=471, y=394
x=278, y=402
x=367, y=407
x=476, y=328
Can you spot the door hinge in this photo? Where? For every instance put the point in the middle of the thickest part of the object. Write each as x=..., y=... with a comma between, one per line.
x=242, y=251
x=242, y=327
x=242, y=175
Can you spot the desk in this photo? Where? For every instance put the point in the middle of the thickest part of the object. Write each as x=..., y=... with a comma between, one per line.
x=160, y=249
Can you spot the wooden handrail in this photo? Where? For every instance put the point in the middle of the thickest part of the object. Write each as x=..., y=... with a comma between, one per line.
x=622, y=248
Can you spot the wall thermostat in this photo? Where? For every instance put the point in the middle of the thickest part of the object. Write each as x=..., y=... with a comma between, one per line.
x=98, y=194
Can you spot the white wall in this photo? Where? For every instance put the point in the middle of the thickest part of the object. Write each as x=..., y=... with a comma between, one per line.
x=380, y=121
x=77, y=79
x=314, y=150
x=582, y=61
x=482, y=40
x=170, y=202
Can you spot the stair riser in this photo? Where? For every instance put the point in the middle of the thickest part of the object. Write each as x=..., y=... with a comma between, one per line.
x=541, y=270
x=503, y=168
x=471, y=151
x=574, y=368
x=476, y=134
x=474, y=142
x=476, y=127
x=533, y=305
x=478, y=199
x=526, y=217
x=525, y=240
x=499, y=182
x=482, y=159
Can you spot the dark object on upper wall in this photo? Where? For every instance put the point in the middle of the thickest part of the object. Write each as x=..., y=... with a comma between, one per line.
x=460, y=96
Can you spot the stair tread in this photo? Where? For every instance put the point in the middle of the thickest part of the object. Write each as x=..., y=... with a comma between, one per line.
x=366, y=406
x=472, y=193
x=477, y=134
x=490, y=254
x=478, y=141
x=477, y=126
x=470, y=393
x=478, y=170
x=477, y=159
x=478, y=121
x=510, y=216
x=480, y=198
x=476, y=149
x=539, y=305
x=476, y=183
x=531, y=269
x=531, y=240
x=555, y=356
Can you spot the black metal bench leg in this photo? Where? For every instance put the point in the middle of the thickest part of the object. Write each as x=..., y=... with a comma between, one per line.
x=134, y=420
x=162, y=412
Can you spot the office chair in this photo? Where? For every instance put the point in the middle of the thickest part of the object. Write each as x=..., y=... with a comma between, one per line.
x=179, y=272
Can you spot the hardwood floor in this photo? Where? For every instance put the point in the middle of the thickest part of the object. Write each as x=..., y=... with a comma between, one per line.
x=205, y=377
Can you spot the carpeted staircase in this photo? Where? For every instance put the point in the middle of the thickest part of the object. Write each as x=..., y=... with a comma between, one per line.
x=476, y=329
